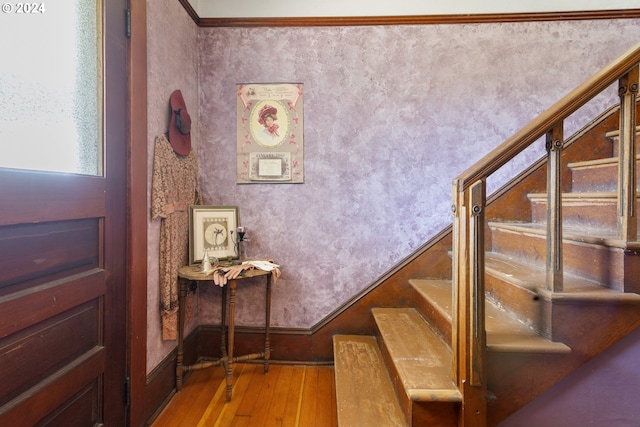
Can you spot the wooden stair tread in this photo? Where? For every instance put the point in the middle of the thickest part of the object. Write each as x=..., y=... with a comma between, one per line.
x=595, y=236
x=504, y=332
x=438, y=291
x=595, y=211
x=587, y=164
x=574, y=288
x=616, y=133
x=364, y=392
x=588, y=198
x=422, y=359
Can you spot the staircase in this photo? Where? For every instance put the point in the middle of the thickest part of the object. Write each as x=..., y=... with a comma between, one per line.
x=453, y=359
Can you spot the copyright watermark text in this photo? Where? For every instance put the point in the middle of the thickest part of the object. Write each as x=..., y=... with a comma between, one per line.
x=23, y=8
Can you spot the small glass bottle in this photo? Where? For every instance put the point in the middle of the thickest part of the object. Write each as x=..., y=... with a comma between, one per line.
x=206, y=262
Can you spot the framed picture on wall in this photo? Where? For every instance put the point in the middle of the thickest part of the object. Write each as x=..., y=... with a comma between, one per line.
x=270, y=137
x=212, y=228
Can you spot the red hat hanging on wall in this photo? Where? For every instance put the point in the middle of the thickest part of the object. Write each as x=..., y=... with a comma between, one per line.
x=180, y=125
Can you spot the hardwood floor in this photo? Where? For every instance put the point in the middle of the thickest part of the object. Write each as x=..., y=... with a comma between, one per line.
x=287, y=396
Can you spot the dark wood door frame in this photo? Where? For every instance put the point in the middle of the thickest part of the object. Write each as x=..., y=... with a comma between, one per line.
x=64, y=313
x=138, y=213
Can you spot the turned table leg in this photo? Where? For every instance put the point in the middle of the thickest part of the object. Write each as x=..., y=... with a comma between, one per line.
x=223, y=323
x=231, y=335
x=267, y=338
x=182, y=294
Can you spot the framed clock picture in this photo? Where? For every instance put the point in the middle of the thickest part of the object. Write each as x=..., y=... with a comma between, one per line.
x=212, y=229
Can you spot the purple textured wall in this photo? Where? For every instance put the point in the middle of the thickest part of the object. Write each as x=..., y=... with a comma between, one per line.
x=392, y=115
x=172, y=61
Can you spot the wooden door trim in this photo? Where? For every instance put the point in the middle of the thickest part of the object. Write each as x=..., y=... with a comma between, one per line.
x=138, y=214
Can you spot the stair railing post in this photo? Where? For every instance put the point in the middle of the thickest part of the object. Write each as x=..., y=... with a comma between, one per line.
x=468, y=334
x=459, y=250
x=477, y=199
x=554, y=144
x=627, y=219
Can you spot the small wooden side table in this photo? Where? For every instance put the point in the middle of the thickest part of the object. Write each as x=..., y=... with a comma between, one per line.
x=191, y=275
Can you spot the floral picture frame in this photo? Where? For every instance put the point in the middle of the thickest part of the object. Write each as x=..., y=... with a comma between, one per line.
x=270, y=133
x=212, y=228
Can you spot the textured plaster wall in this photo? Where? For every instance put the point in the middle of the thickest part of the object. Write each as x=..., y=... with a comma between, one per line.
x=392, y=115
x=172, y=62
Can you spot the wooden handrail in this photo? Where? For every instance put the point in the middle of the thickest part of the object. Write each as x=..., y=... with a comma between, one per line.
x=469, y=203
x=538, y=127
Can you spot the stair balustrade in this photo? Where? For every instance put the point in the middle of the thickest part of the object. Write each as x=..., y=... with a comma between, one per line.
x=469, y=202
x=627, y=221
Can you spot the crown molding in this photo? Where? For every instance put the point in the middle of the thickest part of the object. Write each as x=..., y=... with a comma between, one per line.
x=347, y=21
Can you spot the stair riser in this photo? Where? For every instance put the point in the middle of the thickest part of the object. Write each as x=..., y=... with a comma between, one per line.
x=434, y=316
x=590, y=213
x=517, y=378
x=431, y=414
x=419, y=414
x=419, y=364
x=603, y=321
x=403, y=399
x=601, y=178
x=527, y=305
x=556, y=319
x=604, y=265
x=616, y=141
x=596, y=178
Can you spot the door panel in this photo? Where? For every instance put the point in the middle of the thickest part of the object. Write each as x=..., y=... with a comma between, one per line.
x=81, y=410
x=33, y=253
x=63, y=276
x=28, y=346
x=60, y=196
x=61, y=345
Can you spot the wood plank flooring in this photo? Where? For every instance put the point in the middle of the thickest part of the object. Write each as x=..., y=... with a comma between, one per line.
x=287, y=396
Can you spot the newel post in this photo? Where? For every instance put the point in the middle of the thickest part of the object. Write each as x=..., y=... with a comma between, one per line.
x=627, y=220
x=468, y=331
x=555, y=141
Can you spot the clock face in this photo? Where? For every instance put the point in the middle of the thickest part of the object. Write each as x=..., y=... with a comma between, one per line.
x=215, y=234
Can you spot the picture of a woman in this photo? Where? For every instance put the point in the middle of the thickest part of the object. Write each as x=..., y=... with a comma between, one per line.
x=267, y=118
x=266, y=127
